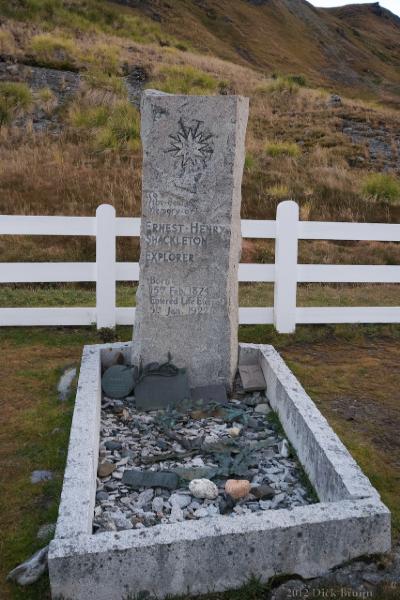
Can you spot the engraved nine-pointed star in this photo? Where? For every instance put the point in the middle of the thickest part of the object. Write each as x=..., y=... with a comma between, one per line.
x=192, y=146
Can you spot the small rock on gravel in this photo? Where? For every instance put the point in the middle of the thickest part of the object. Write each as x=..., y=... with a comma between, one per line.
x=237, y=488
x=111, y=445
x=31, y=570
x=38, y=476
x=162, y=479
x=122, y=523
x=65, y=382
x=263, y=492
x=180, y=500
x=105, y=469
x=176, y=514
x=284, y=449
x=203, y=488
x=145, y=497
x=234, y=431
x=201, y=513
x=262, y=409
x=157, y=504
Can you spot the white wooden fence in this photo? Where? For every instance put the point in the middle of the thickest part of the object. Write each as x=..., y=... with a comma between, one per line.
x=285, y=273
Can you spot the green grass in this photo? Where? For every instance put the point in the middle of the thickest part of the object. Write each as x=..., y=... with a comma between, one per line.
x=89, y=16
x=300, y=80
x=15, y=98
x=276, y=149
x=58, y=52
x=249, y=162
x=104, y=58
x=45, y=94
x=63, y=52
x=108, y=126
x=7, y=42
x=36, y=437
x=122, y=129
x=256, y=294
x=96, y=79
x=46, y=99
x=89, y=117
x=279, y=85
x=383, y=187
x=279, y=191
x=184, y=79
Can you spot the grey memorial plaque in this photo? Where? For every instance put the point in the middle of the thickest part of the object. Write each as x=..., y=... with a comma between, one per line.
x=252, y=378
x=187, y=301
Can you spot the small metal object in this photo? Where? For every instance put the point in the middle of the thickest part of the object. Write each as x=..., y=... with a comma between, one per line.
x=118, y=381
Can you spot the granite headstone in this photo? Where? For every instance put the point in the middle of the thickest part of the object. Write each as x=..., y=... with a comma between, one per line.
x=187, y=300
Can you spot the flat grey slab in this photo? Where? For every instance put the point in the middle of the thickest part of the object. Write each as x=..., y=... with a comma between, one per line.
x=148, y=479
x=252, y=378
x=158, y=392
x=187, y=300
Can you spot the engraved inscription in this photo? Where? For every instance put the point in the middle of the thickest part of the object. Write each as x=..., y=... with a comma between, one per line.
x=169, y=257
x=181, y=234
x=160, y=206
x=192, y=236
x=168, y=299
x=191, y=145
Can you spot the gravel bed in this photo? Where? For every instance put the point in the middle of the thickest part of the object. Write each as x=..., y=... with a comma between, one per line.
x=241, y=440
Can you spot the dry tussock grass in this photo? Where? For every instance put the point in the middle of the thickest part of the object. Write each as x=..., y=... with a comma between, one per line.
x=43, y=175
x=47, y=174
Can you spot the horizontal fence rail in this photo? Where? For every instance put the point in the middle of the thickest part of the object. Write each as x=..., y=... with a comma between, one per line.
x=285, y=274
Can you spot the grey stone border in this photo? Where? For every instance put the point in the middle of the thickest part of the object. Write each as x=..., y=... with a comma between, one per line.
x=220, y=553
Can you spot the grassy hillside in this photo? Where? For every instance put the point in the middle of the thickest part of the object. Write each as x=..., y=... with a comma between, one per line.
x=64, y=152
x=356, y=50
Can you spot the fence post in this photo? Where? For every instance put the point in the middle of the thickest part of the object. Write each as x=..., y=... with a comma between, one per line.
x=286, y=247
x=105, y=266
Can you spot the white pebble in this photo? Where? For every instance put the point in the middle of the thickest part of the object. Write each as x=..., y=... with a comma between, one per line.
x=203, y=488
x=145, y=497
x=284, y=449
x=179, y=500
x=176, y=514
x=157, y=504
x=262, y=409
